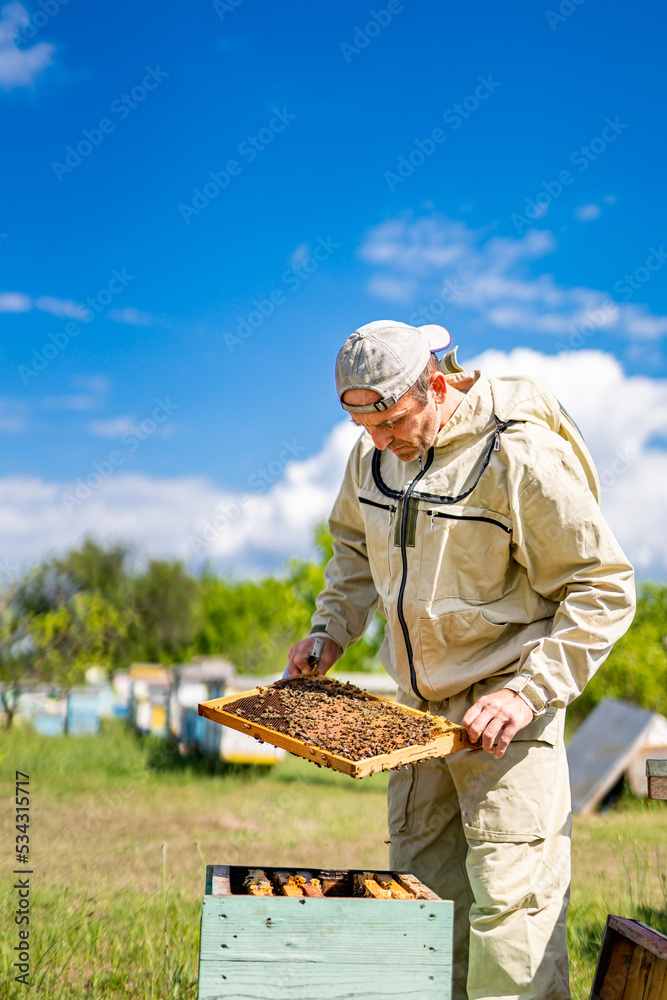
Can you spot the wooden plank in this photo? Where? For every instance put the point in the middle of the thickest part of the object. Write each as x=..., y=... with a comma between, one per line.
x=379, y=979
x=219, y=880
x=657, y=788
x=656, y=772
x=655, y=977
x=452, y=739
x=243, y=929
x=613, y=968
x=413, y=885
x=656, y=983
x=636, y=984
x=641, y=934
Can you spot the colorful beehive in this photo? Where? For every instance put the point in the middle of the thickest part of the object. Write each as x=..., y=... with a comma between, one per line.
x=331, y=934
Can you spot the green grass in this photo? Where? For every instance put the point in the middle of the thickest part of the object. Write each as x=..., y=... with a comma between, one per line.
x=122, y=828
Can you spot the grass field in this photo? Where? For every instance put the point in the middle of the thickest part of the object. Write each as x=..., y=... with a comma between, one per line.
x=121, y=830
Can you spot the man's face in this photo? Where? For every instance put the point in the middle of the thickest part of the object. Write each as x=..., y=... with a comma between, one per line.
x=407, y=428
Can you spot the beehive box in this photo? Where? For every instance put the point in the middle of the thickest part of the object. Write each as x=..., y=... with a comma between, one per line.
x=388, y=734
x=323, y=941
x=656, y=773
x=632, y=964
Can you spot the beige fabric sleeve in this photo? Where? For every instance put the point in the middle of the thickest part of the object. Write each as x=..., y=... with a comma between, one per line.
x=572, y=558
x=346, y=606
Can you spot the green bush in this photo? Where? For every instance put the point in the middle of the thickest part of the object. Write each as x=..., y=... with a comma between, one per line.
x=636, y=670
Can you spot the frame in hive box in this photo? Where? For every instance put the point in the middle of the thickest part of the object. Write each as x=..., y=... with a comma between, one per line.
x=329, y=934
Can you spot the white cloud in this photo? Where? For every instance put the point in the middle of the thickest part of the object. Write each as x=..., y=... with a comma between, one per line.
x=15, y=302
x=437, y=262
x=112, y=428
x=19, y=66
x=72, y=401
x=586, y=213
x=12, y=416
x=299, y=254
x=131, y=316
x=253, y=531
x=391, y=289
x=61, y=307
x=623, y=418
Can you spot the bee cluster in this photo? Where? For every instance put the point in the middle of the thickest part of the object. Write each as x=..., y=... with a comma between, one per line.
x=339, y=718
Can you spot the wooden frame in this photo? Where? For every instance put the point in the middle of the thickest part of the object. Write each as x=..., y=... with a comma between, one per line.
x=632, y=964
x=452, y=739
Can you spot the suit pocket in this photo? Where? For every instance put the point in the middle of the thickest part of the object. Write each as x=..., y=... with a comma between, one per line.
x=469, y=628
x=400, y=799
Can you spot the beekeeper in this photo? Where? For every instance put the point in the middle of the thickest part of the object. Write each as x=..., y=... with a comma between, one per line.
x=469, y=517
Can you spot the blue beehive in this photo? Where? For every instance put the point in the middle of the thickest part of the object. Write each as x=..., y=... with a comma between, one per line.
x=83, y=713
x=48, y=724
x=323, y=939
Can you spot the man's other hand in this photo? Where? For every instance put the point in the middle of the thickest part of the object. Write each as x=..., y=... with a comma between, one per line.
x=300, y=651
x=502, y=712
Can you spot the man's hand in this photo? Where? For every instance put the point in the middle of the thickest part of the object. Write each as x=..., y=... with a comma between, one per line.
x=300, y=651
x=501, y=712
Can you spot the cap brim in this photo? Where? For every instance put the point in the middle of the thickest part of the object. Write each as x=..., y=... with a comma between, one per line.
x=437, y=336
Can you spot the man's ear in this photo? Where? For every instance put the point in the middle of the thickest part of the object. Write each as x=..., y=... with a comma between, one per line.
x=439, y=386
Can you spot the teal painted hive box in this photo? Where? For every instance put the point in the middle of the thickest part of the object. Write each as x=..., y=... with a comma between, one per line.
x=334, y=934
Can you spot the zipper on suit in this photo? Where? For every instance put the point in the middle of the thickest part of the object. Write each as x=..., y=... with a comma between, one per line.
x=404, y=576
x=383, y=506
x=467, y=517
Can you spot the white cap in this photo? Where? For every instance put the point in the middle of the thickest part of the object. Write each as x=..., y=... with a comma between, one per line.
x=386, y=357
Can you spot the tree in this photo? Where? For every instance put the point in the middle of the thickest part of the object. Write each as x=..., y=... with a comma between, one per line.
x=307, y=580
x=167, y=612
x=51, y=630
x=636, y=669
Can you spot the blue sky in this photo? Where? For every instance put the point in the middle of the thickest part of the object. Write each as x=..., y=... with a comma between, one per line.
x=500, y=167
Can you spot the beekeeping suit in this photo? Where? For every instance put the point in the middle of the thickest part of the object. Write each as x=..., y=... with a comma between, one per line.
x=494, y=568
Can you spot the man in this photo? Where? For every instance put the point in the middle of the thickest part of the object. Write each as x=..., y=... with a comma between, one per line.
x=469, y=517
